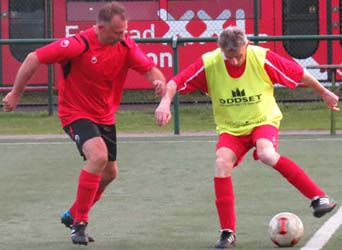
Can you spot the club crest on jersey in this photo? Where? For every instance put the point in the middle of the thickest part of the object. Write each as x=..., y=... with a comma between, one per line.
x=64, y=43
x=93, y=60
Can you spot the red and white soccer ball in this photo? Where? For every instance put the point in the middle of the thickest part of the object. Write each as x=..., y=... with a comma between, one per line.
x=285, y=229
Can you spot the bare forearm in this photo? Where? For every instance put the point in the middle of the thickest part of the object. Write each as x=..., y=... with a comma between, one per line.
x=157, y=79
x=163, y=114
x=329, y=97
x=25, y=72
x=171, y=89
x=312, y=83
x=154, y=74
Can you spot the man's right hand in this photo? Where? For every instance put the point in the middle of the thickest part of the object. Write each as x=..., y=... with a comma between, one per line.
x=162, y=114
x=10, y=101
x=331, y=100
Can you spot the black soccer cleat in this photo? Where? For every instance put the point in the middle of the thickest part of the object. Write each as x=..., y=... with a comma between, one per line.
x=68, y=221
x=78, y=233
x=322, y=205
x=226, y=240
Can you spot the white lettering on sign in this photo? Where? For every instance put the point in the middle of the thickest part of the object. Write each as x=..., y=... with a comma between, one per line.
x=240, y=19
x=148, y=33
x=163, y=59
x=177, y=27
x=216, y=26
x=69, y=28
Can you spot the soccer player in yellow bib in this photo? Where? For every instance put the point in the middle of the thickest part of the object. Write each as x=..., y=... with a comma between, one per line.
x=240, y=78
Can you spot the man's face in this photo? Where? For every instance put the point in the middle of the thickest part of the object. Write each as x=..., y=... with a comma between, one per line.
x=236, y=57
x=112, y=33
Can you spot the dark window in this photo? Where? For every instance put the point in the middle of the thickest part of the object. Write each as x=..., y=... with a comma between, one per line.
x=26, y=21
x=85, y=10
x=300, y=17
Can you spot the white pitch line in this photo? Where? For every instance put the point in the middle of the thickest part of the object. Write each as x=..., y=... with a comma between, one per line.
x=325, y=232
x=141, y=140
x=34, y=143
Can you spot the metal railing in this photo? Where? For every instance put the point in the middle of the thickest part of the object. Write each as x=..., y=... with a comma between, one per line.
x=174, y=42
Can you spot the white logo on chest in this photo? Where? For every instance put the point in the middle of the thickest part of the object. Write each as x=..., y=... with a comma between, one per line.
x=93, y=59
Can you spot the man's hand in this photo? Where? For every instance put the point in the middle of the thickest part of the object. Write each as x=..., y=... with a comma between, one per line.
x=10, y=101
x=162, y=114
x=159, y=87
x=331, y=100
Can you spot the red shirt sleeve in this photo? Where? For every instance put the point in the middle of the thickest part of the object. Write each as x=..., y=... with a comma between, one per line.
x=283, y=71
x=61, y=50
x=279, y=69
x=192, y=78
x=138, y=60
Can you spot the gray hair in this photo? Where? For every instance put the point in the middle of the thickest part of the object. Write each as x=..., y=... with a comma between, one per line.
x=232, y=38
x=109, y=10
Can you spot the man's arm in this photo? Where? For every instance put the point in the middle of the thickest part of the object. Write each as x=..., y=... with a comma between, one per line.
x=329, y=97
x=190, y=79
x=156, y=77
x=25, y=72
x=163, y=111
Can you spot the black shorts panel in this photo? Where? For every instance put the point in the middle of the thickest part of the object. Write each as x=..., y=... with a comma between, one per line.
x=82, y=130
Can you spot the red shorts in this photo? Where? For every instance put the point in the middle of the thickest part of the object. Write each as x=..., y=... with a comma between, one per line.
x=240, y=145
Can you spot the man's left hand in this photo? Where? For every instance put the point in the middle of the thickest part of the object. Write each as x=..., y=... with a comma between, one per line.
x=159, y=87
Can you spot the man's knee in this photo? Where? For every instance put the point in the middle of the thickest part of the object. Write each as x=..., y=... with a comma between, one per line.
x=268, y=156
x=96, y=152
x=111, y=172
x=98, y=158
x=224, y=163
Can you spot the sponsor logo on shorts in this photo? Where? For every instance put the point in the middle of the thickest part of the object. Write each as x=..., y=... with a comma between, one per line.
x=77, y=138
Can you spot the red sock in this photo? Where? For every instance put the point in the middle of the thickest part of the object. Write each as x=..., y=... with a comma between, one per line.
x=88, y=184
x=73, y=209
x=98, y=195
x=225, y=202
x=298, y=178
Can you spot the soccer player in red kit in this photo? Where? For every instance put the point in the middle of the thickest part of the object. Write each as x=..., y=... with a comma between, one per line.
x=95, y=64
x=240, y=80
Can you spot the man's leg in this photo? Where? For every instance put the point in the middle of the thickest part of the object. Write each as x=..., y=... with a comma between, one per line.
x=266, y=143
x=225, y=200
x=224, y=189
x=89, y=180
x=320, y=202
x=101, y=150
x=108, y=175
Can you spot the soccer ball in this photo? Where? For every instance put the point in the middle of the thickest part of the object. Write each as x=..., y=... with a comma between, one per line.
x=285, y=229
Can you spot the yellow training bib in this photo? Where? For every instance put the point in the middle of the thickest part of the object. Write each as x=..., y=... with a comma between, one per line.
x=241, y=104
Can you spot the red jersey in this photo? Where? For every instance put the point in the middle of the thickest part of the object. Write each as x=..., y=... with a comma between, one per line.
x=279, y=69
x=94, y=75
